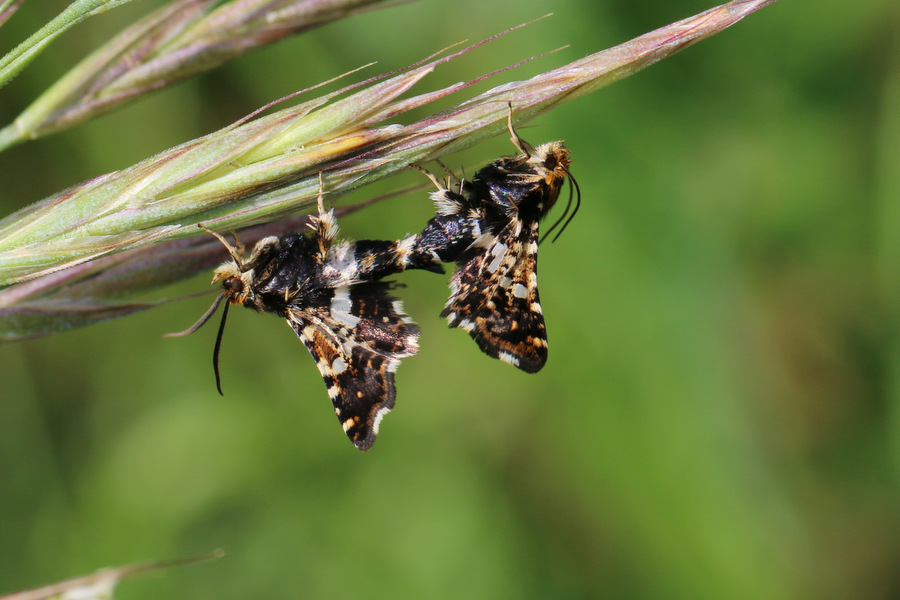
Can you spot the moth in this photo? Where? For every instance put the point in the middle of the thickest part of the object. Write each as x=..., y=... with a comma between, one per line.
x=333, y=298
x=490, y=227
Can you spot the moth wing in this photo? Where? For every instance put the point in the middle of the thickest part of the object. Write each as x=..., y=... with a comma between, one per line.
x=357, y=336
x=494, y=297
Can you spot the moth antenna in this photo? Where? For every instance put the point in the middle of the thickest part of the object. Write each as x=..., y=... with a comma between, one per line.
x=236, y=251
x=557, y=221
x=574, y=183
x=520, y=144
x=218, y=346
x=202, y=320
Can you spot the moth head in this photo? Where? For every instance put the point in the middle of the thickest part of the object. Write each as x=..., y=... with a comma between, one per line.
x=225, y=271
x=552, y=161
x=236, y=276
x=235, y=291
x=235, y=284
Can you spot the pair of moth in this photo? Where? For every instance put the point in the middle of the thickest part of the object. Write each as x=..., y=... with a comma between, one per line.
x=333, y=295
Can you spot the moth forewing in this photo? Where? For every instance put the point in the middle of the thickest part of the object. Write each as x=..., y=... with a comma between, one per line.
x=494, y=294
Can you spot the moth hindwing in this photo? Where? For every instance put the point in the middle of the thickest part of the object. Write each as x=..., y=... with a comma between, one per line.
x=357, y=336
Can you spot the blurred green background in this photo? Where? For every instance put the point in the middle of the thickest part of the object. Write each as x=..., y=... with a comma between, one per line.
x=719, y=414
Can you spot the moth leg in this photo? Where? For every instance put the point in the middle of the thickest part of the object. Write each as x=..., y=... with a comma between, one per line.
x=325, y=225
x=431, y=177
x=238, y=244
x=520, y=144
x=451, y=176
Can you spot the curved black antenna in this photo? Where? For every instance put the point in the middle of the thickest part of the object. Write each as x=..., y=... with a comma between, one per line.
x=559, y=220
x=218, y=346
x=201, y=321
x=573, y=186
x=577, y=205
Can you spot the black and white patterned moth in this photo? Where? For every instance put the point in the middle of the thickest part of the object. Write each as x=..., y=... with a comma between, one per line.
x=331, y=296
x=490, y=228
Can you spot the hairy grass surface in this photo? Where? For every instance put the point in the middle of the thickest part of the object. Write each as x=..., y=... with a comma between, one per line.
x=265, y=167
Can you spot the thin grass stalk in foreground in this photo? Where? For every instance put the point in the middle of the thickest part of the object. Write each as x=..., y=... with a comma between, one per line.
x=8, y=9
x=100, y=585
x=177, y=41
x=19, y=57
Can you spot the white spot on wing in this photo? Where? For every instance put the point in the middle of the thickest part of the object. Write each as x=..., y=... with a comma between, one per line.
x=341, y=306
x=376, y=423
x=342, y=258
x=341, y=300
x=520, y=291
x=498, y=252
x=508, y=358
x=338, y=366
